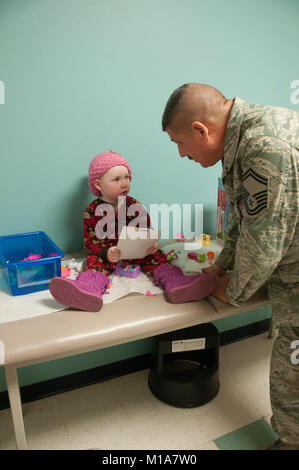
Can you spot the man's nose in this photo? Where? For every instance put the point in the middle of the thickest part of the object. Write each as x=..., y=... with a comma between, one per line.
x=182, y=154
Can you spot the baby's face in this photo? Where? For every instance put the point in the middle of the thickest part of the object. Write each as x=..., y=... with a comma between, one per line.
x=115, y=182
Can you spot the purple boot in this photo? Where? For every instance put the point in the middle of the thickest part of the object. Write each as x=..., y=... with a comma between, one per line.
x=84, y=293
x=180, y=288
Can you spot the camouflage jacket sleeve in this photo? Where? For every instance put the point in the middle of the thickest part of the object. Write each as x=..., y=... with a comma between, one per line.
x=268, y=216
x=226, y=258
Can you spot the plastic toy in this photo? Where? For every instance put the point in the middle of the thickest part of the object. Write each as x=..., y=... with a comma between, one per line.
x=31, y=257
x=197, y=256
x=65, y=272
x=109, y=285
x=171, y=255
x=180, y=237
x=211, y=255
x=206, y=239
x=127, y=270
x=148, y=292
x=38, y=256
x=29, y=270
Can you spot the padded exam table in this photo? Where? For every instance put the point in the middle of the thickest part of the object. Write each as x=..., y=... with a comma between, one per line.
x=70, y=332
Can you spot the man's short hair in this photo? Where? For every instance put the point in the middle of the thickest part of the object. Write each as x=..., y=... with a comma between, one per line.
x=193, y=102
x=171, y=106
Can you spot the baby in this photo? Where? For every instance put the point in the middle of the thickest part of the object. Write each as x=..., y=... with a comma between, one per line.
x=109, y=179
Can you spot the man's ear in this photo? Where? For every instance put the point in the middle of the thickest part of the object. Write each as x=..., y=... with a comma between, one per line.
x=200, y=128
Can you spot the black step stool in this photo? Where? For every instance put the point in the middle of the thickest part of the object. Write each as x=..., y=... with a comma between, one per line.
x=184, y=366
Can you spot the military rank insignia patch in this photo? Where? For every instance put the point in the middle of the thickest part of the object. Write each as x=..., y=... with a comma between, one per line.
x=254, y=191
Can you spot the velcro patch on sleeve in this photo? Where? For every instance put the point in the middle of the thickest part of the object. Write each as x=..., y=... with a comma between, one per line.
x=254, y=192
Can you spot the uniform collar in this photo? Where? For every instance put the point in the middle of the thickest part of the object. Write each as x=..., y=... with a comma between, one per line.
x=232, y=134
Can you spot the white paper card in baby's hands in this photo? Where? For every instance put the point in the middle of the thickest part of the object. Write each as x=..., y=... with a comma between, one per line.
x=134, y=241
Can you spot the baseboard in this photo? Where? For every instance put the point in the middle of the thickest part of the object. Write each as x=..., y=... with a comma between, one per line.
x=69, y=382
x=243, y=332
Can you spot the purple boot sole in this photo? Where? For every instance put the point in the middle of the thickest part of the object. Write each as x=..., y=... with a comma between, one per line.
x=196, y=289
x=68, y=293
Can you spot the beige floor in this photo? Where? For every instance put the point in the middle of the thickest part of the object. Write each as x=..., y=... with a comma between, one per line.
x=123, y=414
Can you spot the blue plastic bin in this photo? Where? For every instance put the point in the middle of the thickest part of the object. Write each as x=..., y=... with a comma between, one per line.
x=25, y=277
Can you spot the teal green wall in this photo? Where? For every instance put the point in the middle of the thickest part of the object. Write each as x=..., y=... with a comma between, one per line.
x=82, y=77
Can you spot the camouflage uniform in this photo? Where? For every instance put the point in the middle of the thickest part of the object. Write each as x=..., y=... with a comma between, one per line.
x=284, y=385
x=261, y=180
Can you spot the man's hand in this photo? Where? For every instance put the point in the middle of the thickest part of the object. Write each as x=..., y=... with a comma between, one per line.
x=221, y=285
x=214, y=270
x=113, y=254
x=152, y=249
x=222, y=280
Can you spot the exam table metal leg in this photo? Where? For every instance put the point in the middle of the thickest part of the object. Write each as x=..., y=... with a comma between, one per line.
x=16, y=406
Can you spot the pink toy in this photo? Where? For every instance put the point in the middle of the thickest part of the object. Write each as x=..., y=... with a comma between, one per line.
x=65, y=272
x=148, y=292
x=180, y=237
x=31, y=257
x=197, y=257
x=193, y=255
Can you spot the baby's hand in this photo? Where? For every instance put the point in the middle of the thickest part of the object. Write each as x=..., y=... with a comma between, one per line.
x=113, y=254
x=152, y=249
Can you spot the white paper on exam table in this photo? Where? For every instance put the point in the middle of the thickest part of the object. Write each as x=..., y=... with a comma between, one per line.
x=36, y=304
x=134, y=241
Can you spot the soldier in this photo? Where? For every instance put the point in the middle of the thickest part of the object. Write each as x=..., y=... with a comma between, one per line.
x=259, y=149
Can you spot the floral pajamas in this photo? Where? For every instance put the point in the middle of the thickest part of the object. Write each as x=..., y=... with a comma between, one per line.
x=97, y=248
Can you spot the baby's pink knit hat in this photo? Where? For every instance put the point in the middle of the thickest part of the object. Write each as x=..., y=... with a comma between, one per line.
x=102, y=163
